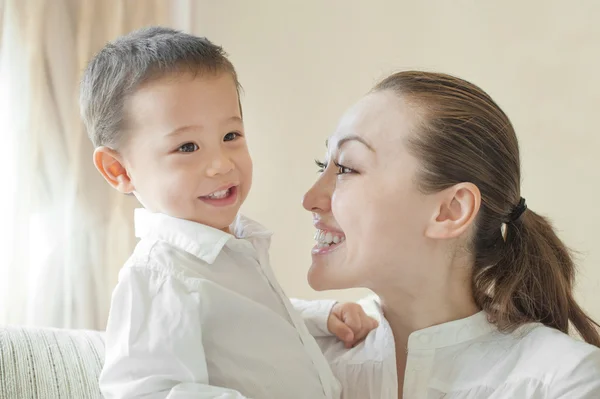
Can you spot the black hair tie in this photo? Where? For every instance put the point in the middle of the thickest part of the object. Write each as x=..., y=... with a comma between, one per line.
x=518, y=211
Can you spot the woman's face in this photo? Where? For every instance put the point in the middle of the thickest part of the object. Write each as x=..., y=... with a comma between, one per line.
x=369, y=214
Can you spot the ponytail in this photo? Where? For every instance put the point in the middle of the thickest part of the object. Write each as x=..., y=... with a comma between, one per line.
x=532, y=280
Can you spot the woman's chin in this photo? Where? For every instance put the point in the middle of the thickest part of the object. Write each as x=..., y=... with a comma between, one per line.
x=324, y=277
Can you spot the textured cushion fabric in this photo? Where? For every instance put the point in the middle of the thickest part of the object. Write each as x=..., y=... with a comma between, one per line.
x=44, y=363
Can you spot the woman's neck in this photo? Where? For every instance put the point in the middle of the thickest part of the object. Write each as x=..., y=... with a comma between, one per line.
x=411, y=310
x=407, y=314
x=441, y=295
x=440, y=292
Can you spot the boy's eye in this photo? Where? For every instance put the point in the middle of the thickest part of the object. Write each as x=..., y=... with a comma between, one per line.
x=231, y=136
x=188, y=147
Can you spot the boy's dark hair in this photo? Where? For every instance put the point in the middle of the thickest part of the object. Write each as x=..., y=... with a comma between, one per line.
x=136, y=58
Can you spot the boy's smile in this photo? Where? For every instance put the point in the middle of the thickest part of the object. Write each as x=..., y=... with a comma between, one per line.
x=223, y=197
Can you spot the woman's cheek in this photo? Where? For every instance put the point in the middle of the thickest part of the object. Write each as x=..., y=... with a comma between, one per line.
x=345, y=209
x=337, y=204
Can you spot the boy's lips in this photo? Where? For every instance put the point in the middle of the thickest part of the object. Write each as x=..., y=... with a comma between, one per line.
x=224, y=196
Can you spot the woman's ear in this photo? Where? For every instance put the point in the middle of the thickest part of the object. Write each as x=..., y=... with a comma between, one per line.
x=458, y=207
x=109, y=164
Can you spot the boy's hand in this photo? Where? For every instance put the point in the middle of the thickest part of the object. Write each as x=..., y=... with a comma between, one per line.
x=349, y=322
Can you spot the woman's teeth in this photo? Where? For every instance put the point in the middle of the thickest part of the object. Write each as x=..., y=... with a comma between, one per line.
x=219, y=194
x=326, y=238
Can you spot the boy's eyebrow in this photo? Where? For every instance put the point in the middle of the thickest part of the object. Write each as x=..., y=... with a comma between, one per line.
x=183, y=129
x=234, y=119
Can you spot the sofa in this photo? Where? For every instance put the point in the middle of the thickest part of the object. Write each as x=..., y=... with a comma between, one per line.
x=46, y=363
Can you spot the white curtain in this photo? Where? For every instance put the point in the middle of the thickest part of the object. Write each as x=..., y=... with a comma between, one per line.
x=64, y=233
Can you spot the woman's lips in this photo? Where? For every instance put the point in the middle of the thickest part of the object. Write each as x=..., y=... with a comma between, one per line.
x=327, y=241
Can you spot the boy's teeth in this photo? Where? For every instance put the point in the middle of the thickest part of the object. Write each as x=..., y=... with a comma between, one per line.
x=218, y=194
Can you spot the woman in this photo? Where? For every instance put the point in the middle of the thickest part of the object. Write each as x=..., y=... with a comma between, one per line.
x=419, y=200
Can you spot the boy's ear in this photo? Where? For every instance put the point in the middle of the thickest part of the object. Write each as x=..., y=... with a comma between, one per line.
x=456, y=212
x=109, y=164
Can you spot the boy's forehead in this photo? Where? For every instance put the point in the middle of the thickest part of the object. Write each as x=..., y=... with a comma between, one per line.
x=185, y=99
x=182, y=79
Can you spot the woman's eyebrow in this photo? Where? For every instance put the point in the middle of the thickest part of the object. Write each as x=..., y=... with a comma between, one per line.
x=349, y=138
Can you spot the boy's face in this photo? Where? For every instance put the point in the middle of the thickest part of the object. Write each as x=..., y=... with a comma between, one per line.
x=185, y=153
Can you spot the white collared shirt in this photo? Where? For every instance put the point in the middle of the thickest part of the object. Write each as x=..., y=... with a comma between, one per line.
x=468, y=359
x=198, y=313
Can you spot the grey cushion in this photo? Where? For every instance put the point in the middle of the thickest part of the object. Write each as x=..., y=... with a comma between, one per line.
x=44, y=363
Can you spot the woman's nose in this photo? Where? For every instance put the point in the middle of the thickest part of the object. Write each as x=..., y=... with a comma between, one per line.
x=318, y=198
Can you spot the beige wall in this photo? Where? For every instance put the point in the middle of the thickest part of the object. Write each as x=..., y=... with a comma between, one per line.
x=303, y=62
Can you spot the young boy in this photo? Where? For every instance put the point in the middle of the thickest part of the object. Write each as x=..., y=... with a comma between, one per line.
x=197, y=312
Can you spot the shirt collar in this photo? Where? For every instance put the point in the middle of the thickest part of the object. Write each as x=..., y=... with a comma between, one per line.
x=448, y=334
x=451, y=333
x=200, y=240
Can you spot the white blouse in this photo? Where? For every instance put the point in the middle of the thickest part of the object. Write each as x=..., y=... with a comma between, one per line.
x=468, y=359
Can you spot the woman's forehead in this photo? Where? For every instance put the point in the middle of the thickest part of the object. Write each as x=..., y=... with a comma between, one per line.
x=377, y=118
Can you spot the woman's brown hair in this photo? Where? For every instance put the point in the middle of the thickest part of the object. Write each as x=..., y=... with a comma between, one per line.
x=525, y=274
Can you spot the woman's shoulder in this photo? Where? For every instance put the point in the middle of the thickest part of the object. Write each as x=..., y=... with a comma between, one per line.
x=547, y=344
x=567, y=366
x=533, y=361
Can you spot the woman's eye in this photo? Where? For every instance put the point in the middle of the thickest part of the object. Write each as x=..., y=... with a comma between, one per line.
x=321, y=166
x=343, y=170
x=231, y=136
x=188, y=147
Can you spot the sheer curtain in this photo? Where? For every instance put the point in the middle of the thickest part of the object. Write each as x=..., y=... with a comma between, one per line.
x=64, y=232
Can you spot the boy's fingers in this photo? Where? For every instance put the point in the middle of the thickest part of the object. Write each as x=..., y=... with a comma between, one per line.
x=353, y=321
x=373, y=323
x=368, y=325
x=362, y=334
x=341, y=330
x=351, y=324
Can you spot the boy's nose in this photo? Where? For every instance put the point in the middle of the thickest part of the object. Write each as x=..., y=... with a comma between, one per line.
x=220, y=165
